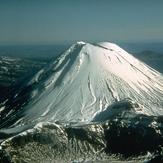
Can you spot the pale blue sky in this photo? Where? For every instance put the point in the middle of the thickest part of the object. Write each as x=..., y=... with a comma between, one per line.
x=66, y=21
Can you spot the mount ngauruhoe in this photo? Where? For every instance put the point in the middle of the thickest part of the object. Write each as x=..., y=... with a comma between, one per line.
x=92, y=101
x=88, y=82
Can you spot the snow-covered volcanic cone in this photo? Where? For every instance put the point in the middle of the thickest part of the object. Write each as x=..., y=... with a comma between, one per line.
x=88, y=80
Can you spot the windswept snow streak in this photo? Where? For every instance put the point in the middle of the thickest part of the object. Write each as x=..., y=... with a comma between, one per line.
x=86, y=80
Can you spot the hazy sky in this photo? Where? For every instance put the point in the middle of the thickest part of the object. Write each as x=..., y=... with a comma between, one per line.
x=61, y=21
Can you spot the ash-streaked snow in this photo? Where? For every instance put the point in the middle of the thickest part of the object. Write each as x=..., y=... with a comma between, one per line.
x=87, y=79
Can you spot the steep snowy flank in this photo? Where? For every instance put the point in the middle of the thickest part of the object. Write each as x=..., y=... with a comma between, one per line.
x=88, y=79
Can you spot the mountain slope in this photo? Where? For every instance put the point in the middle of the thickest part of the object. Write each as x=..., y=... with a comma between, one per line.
x=87, y=80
